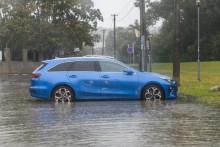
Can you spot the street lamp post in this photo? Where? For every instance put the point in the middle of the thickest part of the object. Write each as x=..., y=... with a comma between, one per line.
x=150, y=51
x=198, y=5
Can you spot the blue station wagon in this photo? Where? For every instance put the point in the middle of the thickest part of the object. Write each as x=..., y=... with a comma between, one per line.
x=68, y=79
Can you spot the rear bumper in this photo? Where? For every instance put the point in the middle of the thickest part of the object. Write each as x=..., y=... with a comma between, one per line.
x=40, y=92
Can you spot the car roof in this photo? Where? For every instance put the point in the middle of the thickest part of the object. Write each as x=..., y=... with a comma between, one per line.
x=88, y=57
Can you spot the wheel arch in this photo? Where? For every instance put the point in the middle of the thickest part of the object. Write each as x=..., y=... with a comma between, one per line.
x=73, y=91
x=152, y=83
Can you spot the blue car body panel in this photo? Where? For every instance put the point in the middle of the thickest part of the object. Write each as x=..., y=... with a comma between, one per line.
x=119, y=85
x=97, y=84
x=87, y=85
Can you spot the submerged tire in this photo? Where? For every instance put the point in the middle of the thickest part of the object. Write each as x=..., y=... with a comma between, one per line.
x=152, y=92
x=62, y=94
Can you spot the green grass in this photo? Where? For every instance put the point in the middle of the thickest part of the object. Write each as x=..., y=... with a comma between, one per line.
x=209, y=77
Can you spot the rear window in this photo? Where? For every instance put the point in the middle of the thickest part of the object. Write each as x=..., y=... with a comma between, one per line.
x=41, y=66
x=67, y=66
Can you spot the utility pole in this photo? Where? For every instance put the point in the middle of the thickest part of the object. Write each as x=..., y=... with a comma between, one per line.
x=103, y=45
x=176, y=49
x=143, y=30
x=114, y=15
x=141, y=4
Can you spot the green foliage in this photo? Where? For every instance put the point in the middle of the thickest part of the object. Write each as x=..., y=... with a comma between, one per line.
x=48, y=25
x=209, y=29
x=124, y=37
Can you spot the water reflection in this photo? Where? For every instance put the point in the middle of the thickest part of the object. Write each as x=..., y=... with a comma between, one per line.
x=26, y=121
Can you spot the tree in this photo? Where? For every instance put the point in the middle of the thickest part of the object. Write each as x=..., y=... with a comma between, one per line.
x=48, y=25
x=125, y=37
x=209, y=22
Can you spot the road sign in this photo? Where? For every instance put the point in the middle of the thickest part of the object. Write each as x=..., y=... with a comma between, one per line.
x=142, y=42
x=130, y=50
x=148, y=44
x=0, y=55
x=76, y=50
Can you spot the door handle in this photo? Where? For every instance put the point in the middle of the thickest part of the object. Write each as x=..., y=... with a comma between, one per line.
x=73, y=76
x=105, y=76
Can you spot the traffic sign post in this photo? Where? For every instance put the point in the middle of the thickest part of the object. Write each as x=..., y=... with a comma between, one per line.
x=130, y=51
x=133, y=53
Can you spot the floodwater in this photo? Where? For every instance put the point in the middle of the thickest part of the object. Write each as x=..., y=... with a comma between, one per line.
x=28, y=121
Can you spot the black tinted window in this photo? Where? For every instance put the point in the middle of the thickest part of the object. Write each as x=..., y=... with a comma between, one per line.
x=84, y=66
x=67, y=66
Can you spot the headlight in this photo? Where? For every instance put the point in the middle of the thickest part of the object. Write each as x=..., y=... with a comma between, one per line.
x=170, y=80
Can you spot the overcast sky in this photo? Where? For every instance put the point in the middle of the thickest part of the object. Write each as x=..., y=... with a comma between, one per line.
x=125, y=10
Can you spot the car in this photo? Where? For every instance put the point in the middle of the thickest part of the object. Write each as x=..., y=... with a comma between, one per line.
x=98, y=77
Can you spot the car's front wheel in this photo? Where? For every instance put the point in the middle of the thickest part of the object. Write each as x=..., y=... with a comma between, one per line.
x=152, y=92
x=62, y=94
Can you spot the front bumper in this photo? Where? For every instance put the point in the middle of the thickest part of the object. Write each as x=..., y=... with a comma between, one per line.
x=171, y=91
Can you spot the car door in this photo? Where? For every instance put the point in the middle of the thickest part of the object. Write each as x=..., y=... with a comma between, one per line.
x=85, y=79
x=115, y=83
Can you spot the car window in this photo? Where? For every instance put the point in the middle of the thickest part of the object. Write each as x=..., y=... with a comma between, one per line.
x=41, y=66
x=67, y=66
x=107, y=66
x=84, y=66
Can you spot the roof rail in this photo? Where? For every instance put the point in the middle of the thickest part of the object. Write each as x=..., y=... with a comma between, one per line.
x=100, y=56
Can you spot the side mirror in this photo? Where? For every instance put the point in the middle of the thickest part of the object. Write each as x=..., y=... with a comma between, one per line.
x=128, y=71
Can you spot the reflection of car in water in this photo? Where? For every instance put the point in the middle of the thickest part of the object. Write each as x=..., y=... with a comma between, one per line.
x=66, y=79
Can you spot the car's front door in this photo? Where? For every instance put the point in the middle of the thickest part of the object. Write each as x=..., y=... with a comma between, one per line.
x=85, y=79
x=115, y=83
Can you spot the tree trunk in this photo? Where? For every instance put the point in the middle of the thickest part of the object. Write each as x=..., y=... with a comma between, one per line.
x=176, y=49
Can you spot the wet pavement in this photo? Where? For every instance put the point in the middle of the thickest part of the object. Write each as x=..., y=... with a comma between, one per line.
x=28, y=121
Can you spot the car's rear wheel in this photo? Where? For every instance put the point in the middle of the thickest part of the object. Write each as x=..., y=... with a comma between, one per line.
x=152, y=92
x=62, y=94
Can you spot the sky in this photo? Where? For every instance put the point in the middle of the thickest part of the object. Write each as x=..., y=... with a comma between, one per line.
x=125, y=10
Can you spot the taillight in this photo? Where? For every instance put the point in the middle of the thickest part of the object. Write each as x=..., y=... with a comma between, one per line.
x=36, y=75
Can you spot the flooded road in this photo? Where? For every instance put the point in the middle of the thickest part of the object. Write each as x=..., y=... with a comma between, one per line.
x=27, y=121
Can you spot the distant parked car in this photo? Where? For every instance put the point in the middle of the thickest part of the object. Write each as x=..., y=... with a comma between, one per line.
x=67, y=79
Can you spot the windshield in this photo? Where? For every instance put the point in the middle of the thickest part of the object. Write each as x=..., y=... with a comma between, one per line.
x=136, y=68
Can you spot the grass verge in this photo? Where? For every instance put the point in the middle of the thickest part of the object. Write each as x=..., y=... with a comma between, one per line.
x=209, y=77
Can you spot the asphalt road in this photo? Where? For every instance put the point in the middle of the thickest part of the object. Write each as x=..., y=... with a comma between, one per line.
x=28, y=121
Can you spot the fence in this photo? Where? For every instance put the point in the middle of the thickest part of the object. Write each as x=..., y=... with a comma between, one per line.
x=17, y=67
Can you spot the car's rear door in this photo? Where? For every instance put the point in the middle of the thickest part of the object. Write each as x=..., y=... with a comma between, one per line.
x=115, y=83
x=85, y=79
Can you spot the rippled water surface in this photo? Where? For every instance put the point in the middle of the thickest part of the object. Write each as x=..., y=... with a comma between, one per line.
x=27, y=121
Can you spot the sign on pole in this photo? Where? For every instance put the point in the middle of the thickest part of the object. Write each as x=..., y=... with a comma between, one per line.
x=142, y=42
x=130, y=50
x=76, y=50
x=148, y=44
x=0, y=55
x=137, y=33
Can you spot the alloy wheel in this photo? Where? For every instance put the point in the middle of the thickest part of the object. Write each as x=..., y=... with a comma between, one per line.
x=153, y=93
x=62, y=94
